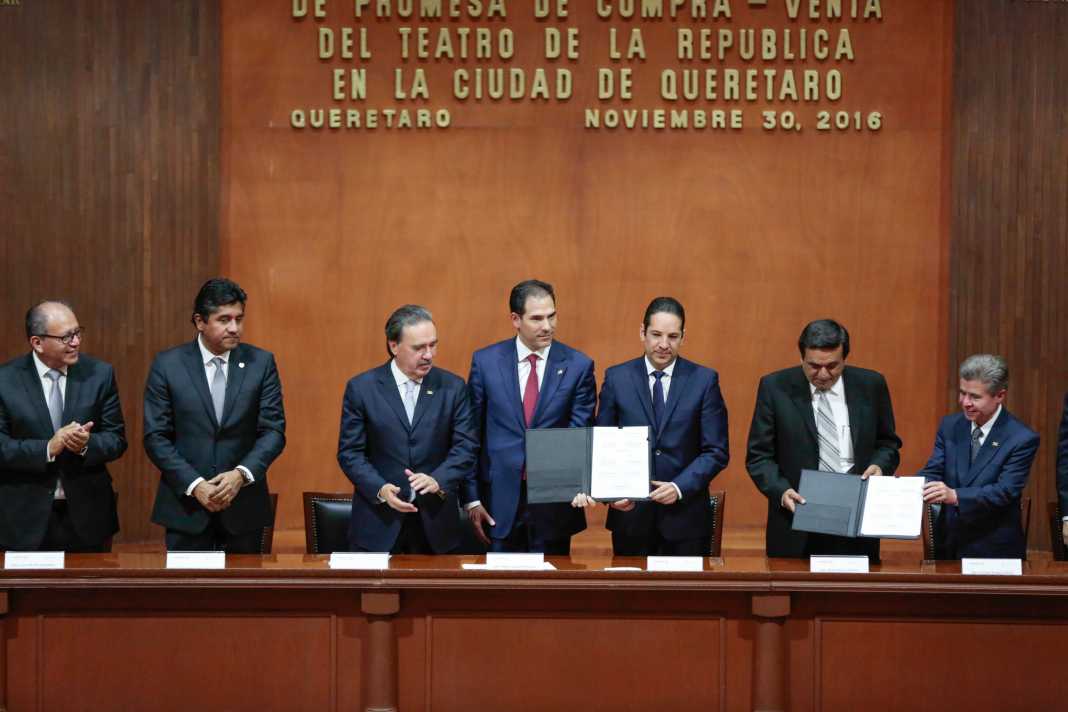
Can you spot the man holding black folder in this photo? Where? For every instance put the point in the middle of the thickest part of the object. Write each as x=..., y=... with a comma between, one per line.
x=681, y=403
x=821, y=415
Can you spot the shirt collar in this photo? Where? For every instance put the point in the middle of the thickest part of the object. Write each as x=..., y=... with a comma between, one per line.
x=989, y=425
x=399, y=376
x=523, y=352
x=668, y=370
x=42, y=368
x=206, y=356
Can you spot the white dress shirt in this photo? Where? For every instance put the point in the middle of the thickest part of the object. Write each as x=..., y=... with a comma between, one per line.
x=840, y=414
x=524, y=365
x=402, y=380
x=665, y=383
x=209, y=373
x=46, y=388
x=986, y=427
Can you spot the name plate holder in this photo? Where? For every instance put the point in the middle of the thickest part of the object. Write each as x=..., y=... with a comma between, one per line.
x=360, y=560
x=523, y=562
x=991, y=567
x=22, y=560
x=838, y=564
x=674, y=563
x=196, y=559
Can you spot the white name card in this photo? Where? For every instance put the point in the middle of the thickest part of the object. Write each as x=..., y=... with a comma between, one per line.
x=515, y=561
x=359, y=560
x=675, y=563
x=838, y=564
x=992, y=567
x=196, y=559
x=33, y=560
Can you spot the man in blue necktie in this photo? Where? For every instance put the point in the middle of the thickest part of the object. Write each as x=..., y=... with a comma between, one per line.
x=979, y=467
x=60, y=424
x=682, y=404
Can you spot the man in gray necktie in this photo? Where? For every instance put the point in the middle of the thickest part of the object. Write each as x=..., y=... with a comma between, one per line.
x=407, y=438
x=821, y=414
x=62, y=424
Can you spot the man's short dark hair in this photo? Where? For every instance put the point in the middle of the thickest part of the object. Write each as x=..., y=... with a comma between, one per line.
x=215, y=294
x=664, y=305
x=824, y=334
x=37, y=317
x=407, y=315
x=517, y=300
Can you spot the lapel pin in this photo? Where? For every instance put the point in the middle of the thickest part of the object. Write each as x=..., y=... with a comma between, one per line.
x=995, y=443
x=560, y=372
x=241, y=364
x=430, y=393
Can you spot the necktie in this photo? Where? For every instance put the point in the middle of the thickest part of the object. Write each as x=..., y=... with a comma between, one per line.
x=218, y=388
x=830, y=458
x=976, y=434
x=55, y=400
x=530, y=392
x=658, y=398
x=410, y=390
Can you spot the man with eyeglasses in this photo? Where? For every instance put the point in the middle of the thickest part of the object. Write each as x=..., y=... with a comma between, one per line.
x=60, y=424
x=819, y=415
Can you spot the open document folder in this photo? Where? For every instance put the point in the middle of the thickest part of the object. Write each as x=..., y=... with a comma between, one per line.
x=846, y=505
x=606, y=463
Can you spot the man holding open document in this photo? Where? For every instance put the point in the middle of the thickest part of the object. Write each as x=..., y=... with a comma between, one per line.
x=821, y=415
x=681, y=403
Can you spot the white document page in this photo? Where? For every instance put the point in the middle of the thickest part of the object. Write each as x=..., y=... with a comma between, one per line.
x=674, y=563
x=33, y=560
x=360, y=560
x=838, y=564
x=893, y=508
x=992, y=567
x=196, y=560
x=620, y=463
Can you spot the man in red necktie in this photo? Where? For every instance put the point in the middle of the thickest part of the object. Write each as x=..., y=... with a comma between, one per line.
x=530, y=381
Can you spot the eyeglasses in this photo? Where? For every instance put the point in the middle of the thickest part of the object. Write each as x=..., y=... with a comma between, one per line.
x=67, y=339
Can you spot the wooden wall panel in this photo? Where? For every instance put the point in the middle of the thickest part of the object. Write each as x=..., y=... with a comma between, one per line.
x=109, y=186
x=1010, y=214
x=755, y=232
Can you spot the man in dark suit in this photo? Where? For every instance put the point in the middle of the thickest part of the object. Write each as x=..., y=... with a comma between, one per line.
x=530, y=381
x=821, y=415
x=214, y=423
x=60, y=424
x=681, y=403
x=407, y=441
x=979, y=467
x=1062, y=471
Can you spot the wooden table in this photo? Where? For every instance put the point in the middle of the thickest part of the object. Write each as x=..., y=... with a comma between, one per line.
x=285, y=632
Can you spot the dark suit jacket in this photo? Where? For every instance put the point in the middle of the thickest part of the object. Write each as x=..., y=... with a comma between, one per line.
x=377, y=443
x=566, y=400
x=986, y=520
x=28, y=481
x=782, y=442
x=689, y=449
x=184, y=440
x=1062, y=460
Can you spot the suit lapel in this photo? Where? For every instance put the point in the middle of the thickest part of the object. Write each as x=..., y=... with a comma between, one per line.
x=387, y=386
x=555, y=370
x=428, y=395
x=802, y=398
x=962, y=438
x=986, y=451
x=70, y=397
x=235, y=377
x=31, y=380
x=197, y=375
x=679, y=377
x=858, y=409
x=645, y=396
x=508, y=364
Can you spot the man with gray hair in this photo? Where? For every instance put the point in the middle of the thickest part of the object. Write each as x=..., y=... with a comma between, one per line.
x=407, y=440
x=978, y=470
x=60, y=424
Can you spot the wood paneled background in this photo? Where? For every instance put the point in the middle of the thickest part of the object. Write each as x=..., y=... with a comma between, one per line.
x=113, y=128
x=109, y=186
x=1009, y=249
